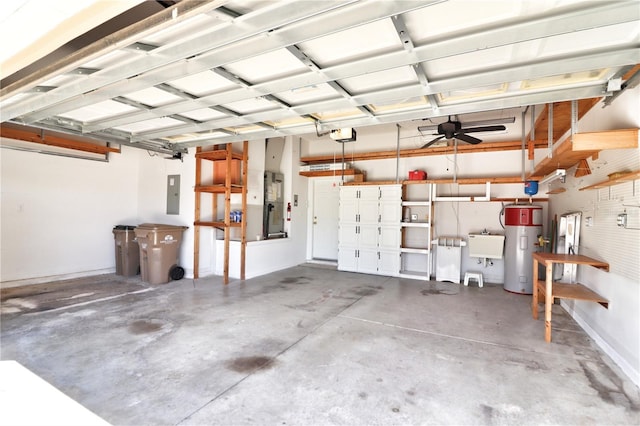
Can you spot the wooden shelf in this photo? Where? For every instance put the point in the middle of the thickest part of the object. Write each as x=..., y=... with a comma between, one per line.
x=560, y=290
x=231, y=170
x=416, y=203
x=218, y=155
x=414, y=250
x=575, y=291
x=415, y=224
x=620, y=179
x=556, y=191
x=576, y=259
x=217, y=224
x=218, y=189
x=584, y=145
x=358, y=175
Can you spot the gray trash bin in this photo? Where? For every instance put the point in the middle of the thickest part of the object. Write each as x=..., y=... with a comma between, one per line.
x=159, y=248
x=127, y=251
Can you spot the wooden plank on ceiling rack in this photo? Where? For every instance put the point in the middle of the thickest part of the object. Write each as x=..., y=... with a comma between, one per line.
x=421, y=152
x=561, y=118
x=582, y=146
x=609, y=139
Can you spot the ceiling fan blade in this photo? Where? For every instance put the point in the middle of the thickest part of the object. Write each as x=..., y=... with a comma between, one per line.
x=467, y=138
x=431, y=142
x=484, y=129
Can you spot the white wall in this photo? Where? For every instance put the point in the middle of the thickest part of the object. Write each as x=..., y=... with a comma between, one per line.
x=58, y=213
x=616, y=329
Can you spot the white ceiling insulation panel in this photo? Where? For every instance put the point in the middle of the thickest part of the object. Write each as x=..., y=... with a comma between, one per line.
x=354, y=43
x=600, y=38
x=99, y=111
x=269, y=66
x=204, y=114
x=143, y=126
x=306, y=94
x=152, y=96
x=380, y=80
x=250, y=105
x=468, y=63
x=457, y=16
x=203, y=83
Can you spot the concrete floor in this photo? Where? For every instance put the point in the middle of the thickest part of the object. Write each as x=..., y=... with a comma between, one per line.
x=309, y=346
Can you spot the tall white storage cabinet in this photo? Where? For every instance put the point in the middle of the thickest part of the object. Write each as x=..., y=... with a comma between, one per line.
x=369, y=229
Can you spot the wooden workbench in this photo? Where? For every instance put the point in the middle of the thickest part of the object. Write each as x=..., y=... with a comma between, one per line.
x=553, y=290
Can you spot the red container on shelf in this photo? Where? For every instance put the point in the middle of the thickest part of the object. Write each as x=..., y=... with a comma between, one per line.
x=417, y=175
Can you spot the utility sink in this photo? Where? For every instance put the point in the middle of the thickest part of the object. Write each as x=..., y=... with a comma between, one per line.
x=486, y=246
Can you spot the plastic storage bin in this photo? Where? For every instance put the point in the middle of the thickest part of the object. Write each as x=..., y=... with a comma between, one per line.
x=127, y=251
x=159, y=249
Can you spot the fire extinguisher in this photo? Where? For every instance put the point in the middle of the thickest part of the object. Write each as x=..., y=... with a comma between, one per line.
x=288, y=212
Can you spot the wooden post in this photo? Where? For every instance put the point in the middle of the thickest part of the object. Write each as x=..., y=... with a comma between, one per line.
x=548, y=302
x=196, y=229
x=227, y=213
x=243, y=234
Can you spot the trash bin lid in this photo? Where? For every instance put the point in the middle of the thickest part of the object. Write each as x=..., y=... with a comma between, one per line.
x=124, y=227
x=161, y=227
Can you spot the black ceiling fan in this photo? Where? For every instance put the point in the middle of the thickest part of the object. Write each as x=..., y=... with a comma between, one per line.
x=454, y=129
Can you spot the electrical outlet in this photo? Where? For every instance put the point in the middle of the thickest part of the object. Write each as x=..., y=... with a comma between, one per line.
x=622, y=220
x=589, y=221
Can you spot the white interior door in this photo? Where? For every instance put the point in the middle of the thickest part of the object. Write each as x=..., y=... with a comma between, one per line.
x=326, y=196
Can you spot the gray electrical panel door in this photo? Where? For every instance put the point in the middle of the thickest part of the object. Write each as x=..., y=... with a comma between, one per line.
x=173, y=194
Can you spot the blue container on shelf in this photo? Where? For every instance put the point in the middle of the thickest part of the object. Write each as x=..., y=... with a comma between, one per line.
x=531, y=187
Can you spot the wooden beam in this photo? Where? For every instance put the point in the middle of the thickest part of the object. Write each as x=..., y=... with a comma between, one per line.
x=422, y=152
x=46, y=137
